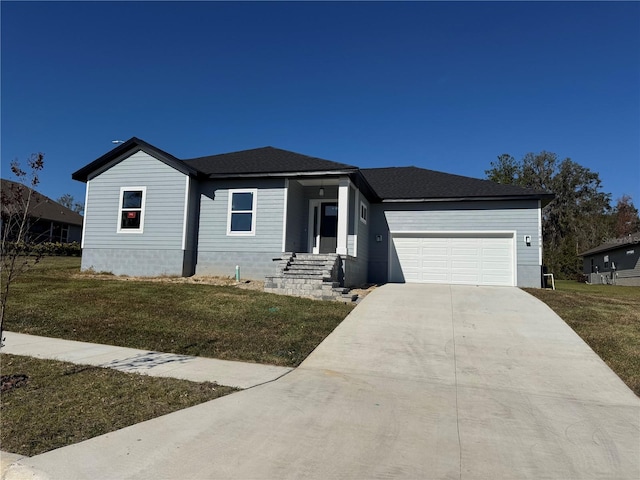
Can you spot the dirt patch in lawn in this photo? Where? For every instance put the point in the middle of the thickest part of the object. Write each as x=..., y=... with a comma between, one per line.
x=195, y=280
x=361, y=291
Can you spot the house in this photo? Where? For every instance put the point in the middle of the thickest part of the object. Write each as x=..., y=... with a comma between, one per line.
x=48, y=220
x=150, y=213
x=616, y=261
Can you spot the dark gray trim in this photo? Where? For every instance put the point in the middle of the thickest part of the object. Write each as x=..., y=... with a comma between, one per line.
x=125, y=150
x=549, y=196
x=614, y=244
x=282, y=174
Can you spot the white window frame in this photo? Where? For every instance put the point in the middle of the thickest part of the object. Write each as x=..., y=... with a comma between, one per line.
x=254, y=205
x=141, y=209
x=365, y=209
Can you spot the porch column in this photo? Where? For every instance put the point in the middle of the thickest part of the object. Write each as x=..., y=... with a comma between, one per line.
x=343, y=216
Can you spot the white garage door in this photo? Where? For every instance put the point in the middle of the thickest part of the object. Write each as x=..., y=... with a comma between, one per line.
x=468, y=259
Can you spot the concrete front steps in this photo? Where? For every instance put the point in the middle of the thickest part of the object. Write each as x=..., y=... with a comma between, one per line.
x=309, y=276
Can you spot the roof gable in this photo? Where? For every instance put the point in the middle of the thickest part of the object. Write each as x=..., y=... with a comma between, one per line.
x=125, y=150
x=262, y=161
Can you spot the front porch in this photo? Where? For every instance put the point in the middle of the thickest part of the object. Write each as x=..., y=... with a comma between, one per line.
x=327, y=215
x=324, y=231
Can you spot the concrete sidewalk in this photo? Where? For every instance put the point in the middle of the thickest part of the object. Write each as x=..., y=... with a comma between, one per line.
x=419, y=381
x=197, y=369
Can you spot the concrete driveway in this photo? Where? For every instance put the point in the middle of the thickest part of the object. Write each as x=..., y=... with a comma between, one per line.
x=420, y=381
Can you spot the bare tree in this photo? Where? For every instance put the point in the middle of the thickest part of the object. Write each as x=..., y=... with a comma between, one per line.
x=627, y=220
x=17, y=247
x=68, y=201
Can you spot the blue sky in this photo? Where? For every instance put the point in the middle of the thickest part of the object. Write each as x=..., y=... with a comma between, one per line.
x=446, y=86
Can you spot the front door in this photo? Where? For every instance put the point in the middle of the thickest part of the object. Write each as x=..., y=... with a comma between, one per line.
x=328, y=227
x=323, y=226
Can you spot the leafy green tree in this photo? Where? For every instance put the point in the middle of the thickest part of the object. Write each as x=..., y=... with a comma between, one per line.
x=576, y=220
x=505, y=170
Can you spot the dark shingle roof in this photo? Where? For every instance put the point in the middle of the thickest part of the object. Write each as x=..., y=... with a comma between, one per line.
x=263, y=160
x=614, y=243
x=394, y=183
x=404, y=183
x=41, y=206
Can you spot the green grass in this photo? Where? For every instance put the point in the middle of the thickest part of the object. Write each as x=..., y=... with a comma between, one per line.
x=64, y=403
x=205, y=320
x=607, y=317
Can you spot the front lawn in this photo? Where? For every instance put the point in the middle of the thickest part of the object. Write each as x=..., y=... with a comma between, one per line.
x=607, y=317
x=192, y=319
x=60, y=403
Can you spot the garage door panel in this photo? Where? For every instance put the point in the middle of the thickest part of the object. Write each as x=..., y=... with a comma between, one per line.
x=440, y=264
x=434, y=252
x=463, y=259
x=434, y=277
x=464, y=279
x=462, y=265
x=464, y=253
x=409, y=252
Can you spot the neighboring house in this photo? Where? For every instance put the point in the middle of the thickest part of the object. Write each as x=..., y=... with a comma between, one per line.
x=150, y=213
x=616, y=261
x=48, y=220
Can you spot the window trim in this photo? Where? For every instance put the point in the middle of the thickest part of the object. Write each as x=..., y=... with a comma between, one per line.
x=363, y=218
x=141, y=209
x=253, y=211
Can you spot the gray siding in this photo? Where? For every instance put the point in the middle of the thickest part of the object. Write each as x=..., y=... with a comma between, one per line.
x=217, y=251
x=163, y=218
x=297, y=219
x=627, y=261
x=521, y=216
x=193, y=220
x=363, y=232
x=355, y=267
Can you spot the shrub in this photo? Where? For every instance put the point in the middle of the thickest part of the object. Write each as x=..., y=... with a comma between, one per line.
x=47, y=249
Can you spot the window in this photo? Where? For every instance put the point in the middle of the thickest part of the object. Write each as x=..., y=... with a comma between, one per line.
x=363, y=212
x=131, y=211
x=330, y=210
x=606, y=261
x=242, y=212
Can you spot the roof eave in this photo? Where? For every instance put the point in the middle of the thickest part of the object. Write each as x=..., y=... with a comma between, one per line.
x=315, y=173
x=122, y=151
x=597, y=250
x=467, y=199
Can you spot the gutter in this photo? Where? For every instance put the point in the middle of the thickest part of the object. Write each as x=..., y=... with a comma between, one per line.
x=465, y=199
x=280, y=174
